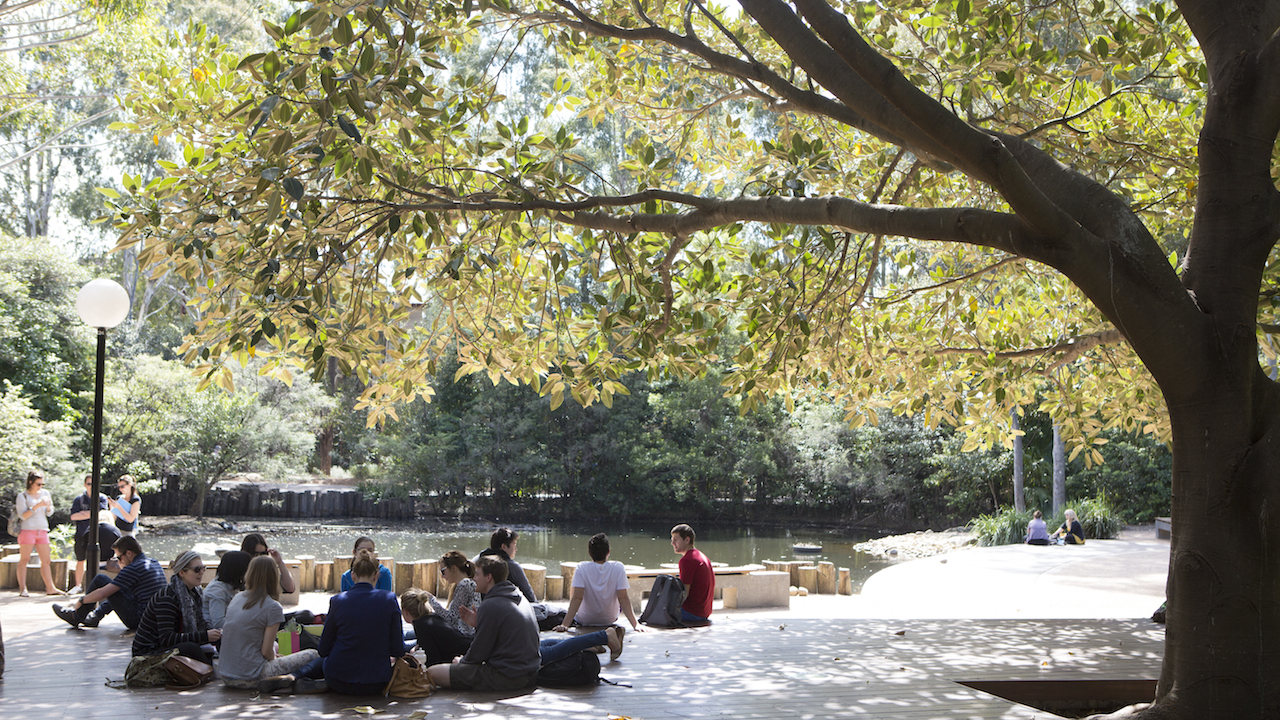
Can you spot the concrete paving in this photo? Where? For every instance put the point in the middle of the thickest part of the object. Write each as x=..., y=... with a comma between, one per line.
x=924, y=621
x=1100, y=579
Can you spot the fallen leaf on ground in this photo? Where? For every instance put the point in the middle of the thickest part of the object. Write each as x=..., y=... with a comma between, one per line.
x=418, y=714
x=366, y=710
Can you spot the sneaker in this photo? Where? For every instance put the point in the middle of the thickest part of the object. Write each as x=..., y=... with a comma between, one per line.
x=91, y=621
x=615, y=642
x=75, y=590
x=307, y=685
x=67, y=614
x=23, y=593
x=276, y=683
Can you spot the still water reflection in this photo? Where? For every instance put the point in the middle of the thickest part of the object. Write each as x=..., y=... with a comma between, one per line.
x=547, y=545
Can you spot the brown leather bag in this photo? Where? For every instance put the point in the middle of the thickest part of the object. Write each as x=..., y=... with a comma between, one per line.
x=409, y=679
x=187, y=673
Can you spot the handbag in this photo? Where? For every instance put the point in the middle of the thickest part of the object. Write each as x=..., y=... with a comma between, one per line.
x=186, y=672
x=15, y=522
x=147, y=671
x=409, y=679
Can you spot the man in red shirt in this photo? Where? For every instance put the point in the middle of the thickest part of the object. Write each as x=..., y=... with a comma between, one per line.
x=696, y=575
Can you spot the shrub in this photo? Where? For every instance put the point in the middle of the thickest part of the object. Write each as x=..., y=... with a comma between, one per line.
x=1098, y=519
x=1003, y=527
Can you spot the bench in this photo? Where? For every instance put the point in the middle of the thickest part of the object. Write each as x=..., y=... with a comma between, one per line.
x=1164, y=528
x=751, y=585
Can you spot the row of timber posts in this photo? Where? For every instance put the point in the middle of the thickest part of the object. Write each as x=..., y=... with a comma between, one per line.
x=249, y=500
x=315, y=575
x=822, y=578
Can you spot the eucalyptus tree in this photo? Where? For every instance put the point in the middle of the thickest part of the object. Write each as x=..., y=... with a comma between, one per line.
x=952, y=207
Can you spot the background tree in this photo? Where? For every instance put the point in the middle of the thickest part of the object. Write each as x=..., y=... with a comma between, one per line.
x=43, y=345
x=1038, y=156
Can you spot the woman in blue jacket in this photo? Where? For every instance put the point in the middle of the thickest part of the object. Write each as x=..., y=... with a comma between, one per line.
x=362, y=635
x=365, y=544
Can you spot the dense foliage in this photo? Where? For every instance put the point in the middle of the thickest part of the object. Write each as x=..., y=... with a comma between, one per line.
x=1097, y=517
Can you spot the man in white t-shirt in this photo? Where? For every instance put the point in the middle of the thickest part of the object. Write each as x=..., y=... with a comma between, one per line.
x=599, y=590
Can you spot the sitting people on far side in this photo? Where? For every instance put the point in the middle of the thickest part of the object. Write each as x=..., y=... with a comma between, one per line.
x=599, y=590
x=362, y=636
x=696, y=575
x=365, y=544
x=1038, y=531
x=1071, y=530
x=504, y=653
x=217, y=595
x=504, y=542
x=248, y=657
x=127, y=594
x=255, y=544
x=173, y=618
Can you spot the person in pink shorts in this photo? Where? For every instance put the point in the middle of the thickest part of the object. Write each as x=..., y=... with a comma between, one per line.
x=34, y=506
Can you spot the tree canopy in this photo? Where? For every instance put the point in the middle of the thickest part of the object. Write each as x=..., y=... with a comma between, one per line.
x=923, y=208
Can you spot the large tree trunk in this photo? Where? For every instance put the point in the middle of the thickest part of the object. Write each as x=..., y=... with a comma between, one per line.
x=1222, y=647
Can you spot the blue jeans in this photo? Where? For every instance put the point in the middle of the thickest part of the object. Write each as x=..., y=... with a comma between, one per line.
x=688, y=617
x=554, y=649
x=121, y=603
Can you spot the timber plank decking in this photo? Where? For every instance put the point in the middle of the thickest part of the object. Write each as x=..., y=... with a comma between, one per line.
x=742, y=667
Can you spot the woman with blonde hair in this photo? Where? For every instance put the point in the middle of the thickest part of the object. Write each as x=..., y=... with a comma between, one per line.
x=248, y=656
x=1072, y=531
x=34, y=505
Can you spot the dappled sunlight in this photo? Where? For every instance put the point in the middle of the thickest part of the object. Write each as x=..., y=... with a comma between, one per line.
x=745, y=666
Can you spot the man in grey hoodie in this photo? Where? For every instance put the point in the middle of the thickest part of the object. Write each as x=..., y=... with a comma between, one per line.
x=504, y=653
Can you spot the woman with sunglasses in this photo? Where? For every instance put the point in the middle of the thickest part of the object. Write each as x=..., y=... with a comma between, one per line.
x=256, y=545
x=34, y=505
x=127, y=506
x=440, y=631
x=173, y=618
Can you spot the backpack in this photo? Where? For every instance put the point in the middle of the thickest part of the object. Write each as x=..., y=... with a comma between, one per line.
x=580, y=668
x=665, y=599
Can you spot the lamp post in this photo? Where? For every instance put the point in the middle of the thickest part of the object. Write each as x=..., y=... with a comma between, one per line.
x=101, y=304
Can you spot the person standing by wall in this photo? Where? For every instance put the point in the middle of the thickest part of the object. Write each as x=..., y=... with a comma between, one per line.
x=34, y=505
x=127, y=507
x=81, y=513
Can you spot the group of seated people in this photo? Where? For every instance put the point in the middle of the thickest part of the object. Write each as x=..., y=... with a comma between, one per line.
x=484, y=635
x=1071, y=532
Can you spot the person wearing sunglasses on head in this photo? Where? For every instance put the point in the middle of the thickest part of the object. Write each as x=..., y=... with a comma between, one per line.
x=173, y=618
x=256, y=545
x=127, y=507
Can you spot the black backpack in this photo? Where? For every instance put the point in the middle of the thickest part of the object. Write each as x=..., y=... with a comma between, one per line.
x=665, y=599
x=580, y=668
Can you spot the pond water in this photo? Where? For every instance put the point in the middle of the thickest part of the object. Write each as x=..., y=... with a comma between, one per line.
x=546, y=545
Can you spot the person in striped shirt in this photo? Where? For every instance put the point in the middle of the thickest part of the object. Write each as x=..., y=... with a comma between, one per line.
x=127, y=594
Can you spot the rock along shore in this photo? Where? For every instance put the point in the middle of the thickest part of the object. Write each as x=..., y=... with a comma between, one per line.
x=914, y=546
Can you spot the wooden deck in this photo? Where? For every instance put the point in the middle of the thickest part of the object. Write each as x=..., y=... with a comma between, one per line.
x=743, y=667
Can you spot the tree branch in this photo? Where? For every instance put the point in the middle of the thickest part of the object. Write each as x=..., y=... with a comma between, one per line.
x=800, y=100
